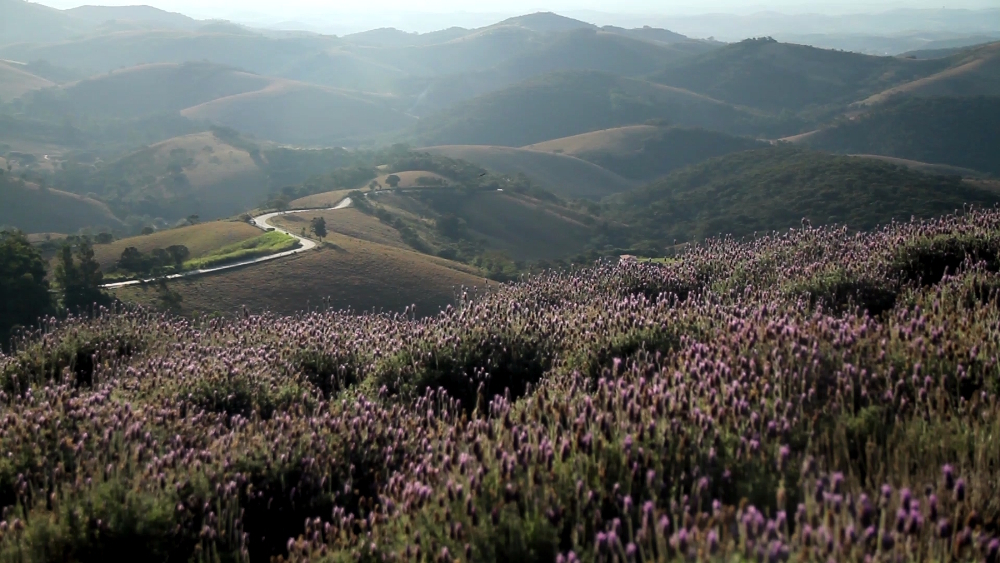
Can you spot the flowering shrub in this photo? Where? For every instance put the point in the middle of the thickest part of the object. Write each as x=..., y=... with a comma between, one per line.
x=807, y=395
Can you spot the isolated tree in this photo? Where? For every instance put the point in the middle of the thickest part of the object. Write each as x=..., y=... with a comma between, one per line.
x=148, y=230
x=80, y=282
x=178, y=253
x=24, y=293
x=318, y=225
x=132, y=260
x=104, y=238
x=392, y=180
x=193, y=219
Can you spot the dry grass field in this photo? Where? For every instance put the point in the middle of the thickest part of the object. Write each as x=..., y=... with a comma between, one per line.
x=355, y=274
x=15, y=81
x=325, y=199
x=619, y=140
x=925, y=167
x=201, y=239
x=348, y=222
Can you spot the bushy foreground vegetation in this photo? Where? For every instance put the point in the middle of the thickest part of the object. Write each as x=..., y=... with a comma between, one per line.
x=810, y=395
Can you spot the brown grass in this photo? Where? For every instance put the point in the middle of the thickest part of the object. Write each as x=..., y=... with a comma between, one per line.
x=411, y=179
x=619, y=140
x=15, y=81
x=925, y=167
x=325, y=199
x=356, y=275
x=348, y=222
x=200, y=240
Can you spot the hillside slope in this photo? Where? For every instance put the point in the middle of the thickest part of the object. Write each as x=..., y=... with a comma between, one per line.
x=44, y=210
x=962, y=132
x=563, y=175
x=645, y=152
x=568, y=103
x=973, y=73
x=774, y=188
x=355, y=274
x=15, y=81
x=766, y=74
x=296, y=112
x=199, y=239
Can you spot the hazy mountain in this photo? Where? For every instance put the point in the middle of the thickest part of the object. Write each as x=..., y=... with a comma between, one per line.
x=148, y=14
x=975, y=72
x=546, y=22
x=27, y=21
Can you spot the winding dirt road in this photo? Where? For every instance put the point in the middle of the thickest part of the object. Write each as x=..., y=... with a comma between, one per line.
x=262, y=222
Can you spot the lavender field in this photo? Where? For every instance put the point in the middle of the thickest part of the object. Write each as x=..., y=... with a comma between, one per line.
x=813, y=395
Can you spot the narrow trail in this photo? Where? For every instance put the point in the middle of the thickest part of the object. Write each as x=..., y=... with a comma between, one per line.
x=261, y=222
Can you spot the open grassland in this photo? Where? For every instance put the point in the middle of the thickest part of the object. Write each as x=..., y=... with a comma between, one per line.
x=618, y=140
x=262, y=245
x=974, y=73
x=810, y=395
x=351, y=274
x=926, y=167
x=34, y=209
x=348, y=222
x=201, y=239
x=15, y=81
x=416, y=179
x=325, y=199
x=563, y=175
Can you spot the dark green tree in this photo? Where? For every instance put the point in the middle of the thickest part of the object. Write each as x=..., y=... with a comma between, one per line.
x=178, y=253
x=79, y=276
x=24, y=293
x=392, y=180
x=318, y=225
x=132, y=260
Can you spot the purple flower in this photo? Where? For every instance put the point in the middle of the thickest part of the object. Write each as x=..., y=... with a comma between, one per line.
x=949, y=476
x=960, y=490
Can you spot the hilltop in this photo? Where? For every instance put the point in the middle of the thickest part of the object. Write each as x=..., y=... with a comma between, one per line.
x=645, y=152
x=766, y=74
x=563, y=175
x=774, y=188
x=963, y=132
x=568, y=103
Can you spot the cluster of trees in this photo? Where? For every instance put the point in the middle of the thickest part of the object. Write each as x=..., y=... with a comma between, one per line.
x=26, y=292
x=157, y=260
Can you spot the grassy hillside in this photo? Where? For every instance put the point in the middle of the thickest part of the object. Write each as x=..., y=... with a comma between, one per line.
x=926, y=168
x=15, y=81
x=354, y=274
x=645, y=152
x=568, y=103
x=766, y=74
x=563, y=175
x=201, y=239
x=147, y=89
x=972, y=73
x=34, y=209
x=774, y=188
x=962, y=132
x=295, y=112
x=195, y=174
x=29, y=21
x=349, y=222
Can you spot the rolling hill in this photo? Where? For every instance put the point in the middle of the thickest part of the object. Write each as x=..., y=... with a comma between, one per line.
x=972, y=73
x=774, y=188
x=773, y=76
x=645, y=152
x=145, y=14
x=568, y=103
x=296, y=112
x=149, y=89
x=28, y=21
x=194, y=174
x=15, y=81
x=353, y=274
x=34, y=209
x=563, y=175
x=963, y=132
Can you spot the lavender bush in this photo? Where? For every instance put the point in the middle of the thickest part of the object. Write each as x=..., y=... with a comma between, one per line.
x=812, y=395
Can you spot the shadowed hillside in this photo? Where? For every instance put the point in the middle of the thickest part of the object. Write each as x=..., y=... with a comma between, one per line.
x=645, y=152
x=766, y=74
x=568, y=103
x=774, y=188
x=972, y=73
x=562, y=175
x=961, y=132
x=35, y=209
x=16, y=80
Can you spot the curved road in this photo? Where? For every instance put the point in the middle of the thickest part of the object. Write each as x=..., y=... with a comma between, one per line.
x=262, y=222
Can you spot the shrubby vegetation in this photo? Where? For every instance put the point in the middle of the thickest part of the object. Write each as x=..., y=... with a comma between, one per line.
x=957, y=131
x=807, y=395
x=775, y=188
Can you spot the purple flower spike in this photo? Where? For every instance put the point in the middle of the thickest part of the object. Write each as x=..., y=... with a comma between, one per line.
x=960, y=490
x=949, y=476
x=631, y=551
